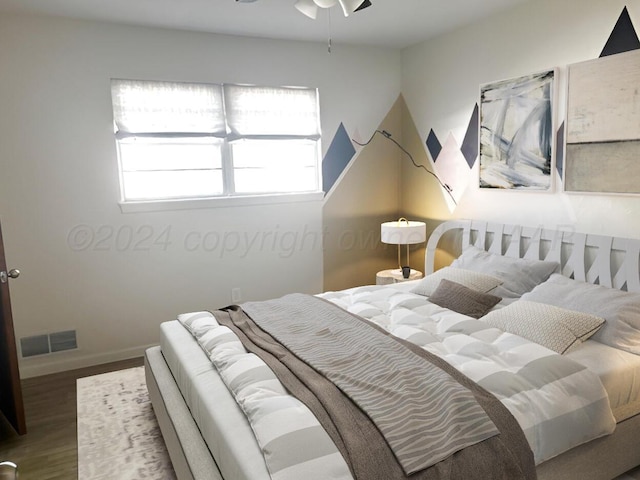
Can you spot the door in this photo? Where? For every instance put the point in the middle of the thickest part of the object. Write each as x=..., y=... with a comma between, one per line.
x=10, y=389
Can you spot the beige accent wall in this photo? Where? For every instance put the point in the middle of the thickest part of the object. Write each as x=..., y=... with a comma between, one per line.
x=380, y=184
x=421, y=197
x=366, y=194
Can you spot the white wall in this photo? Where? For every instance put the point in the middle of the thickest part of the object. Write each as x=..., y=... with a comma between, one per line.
x=441, y=80
x=59, y=183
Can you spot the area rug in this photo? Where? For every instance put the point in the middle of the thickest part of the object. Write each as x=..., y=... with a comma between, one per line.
x=118, y=435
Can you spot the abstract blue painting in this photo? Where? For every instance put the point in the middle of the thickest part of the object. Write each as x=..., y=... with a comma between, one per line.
x=516, y=132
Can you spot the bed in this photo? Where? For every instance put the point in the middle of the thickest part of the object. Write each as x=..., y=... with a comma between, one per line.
x=208, y=435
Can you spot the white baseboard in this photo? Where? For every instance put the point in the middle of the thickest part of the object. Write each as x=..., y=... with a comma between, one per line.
x=48, y=364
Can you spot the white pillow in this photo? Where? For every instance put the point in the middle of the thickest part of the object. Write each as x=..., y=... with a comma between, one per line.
x=518, y=275
x=556, y=328
x=620, y=309
x=475, y=281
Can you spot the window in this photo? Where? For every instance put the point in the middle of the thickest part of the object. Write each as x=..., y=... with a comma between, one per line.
x=193, y=141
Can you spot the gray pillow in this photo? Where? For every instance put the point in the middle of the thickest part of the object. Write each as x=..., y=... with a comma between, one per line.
x=463, y=300
x=470, y=279
x=518, y=275
x=556, y=328
x=620, y=309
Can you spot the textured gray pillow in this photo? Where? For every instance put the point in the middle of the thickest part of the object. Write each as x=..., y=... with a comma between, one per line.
x=518, y=275
x=463, y=300
x=470, y=279
x=620, y=309
x=556, y=328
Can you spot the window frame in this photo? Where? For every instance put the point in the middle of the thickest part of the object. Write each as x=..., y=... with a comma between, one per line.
x=229, y=196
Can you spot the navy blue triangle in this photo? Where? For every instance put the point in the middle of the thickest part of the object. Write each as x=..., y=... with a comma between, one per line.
x=338, y=156
x=433, y=145
x=470, y=146
x=623, y=38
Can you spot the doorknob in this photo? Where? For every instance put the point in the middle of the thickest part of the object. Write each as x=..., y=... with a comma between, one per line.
x=13, y=273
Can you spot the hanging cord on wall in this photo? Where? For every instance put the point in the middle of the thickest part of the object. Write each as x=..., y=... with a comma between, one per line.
x=387, y=135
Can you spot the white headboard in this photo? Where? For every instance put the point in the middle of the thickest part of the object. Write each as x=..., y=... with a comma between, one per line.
x=609, y=261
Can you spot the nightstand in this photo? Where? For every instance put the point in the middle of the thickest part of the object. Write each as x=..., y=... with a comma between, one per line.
x=386, y=277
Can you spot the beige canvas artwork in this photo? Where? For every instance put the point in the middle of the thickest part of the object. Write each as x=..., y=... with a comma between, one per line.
x=603, y=125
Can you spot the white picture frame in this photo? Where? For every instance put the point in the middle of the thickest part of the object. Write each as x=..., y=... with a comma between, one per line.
x=517, y=133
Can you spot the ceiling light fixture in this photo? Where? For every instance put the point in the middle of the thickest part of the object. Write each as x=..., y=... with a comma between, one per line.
x=310, y=7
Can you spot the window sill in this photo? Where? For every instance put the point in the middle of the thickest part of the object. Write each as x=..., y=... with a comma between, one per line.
x=217, y=202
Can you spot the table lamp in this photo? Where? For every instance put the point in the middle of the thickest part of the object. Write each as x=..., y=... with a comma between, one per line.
x=403, y=232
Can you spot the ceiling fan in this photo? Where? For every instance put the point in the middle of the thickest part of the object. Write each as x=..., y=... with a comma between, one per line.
x=310, y=7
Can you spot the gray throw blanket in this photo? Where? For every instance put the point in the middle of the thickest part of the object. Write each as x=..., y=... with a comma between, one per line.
x=393, y=410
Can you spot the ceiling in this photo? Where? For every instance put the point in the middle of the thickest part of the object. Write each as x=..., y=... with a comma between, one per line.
x=387, y=23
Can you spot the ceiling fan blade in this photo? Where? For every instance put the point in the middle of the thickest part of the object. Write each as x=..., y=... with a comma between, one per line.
x=307, y=7
x=363, y=5
x=350, y=6
x=325, y=3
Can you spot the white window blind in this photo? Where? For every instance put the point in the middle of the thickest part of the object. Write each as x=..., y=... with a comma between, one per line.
x=150, y=108
x=182, y=140
x=263, y=111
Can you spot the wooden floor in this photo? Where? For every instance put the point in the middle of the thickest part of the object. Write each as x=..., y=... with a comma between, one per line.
x=49, y=450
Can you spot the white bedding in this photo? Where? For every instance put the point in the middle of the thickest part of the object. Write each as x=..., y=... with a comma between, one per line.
x=619, y=372
x=556, y=413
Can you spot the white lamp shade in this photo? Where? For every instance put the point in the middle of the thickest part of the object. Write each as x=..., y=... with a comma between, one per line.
x=402, y=232
x=308, y=7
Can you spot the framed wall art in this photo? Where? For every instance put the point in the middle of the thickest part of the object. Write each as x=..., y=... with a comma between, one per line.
x=603, y=125
x=516, y=132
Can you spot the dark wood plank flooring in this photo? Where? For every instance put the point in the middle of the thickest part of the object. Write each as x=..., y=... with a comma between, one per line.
x=49, y=450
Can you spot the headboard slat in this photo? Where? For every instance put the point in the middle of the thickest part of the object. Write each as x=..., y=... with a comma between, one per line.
x=555, y=251
x=574, y=267
x=600, y=271
x=534, y=251
x=627, y=274
x=513, y=250
x=481, y=240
